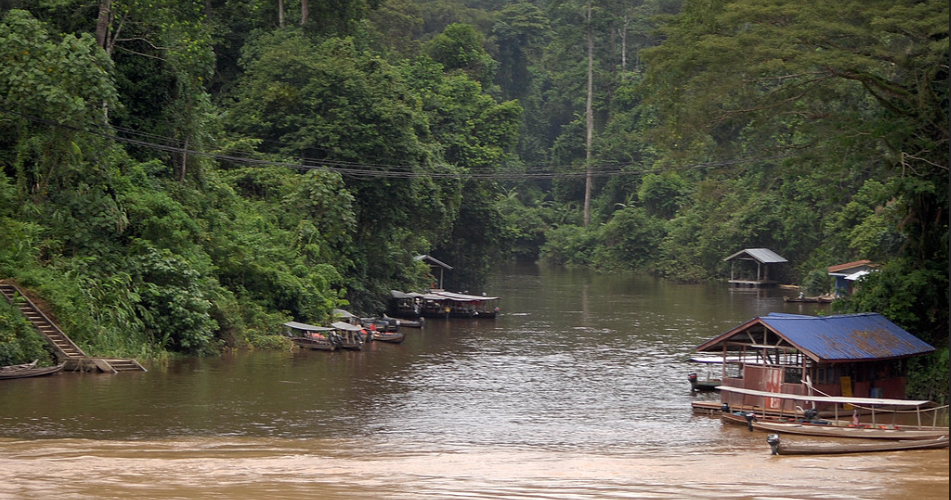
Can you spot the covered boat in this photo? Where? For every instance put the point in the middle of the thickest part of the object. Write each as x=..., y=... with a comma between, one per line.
x=442, y=304
x=318, y=338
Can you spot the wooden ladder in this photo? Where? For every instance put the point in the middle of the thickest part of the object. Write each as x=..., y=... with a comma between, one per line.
x=64, y=348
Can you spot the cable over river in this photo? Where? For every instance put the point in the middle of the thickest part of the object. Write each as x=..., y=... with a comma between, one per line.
x=577, y=390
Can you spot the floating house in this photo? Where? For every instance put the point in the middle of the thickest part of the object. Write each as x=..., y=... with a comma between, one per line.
x=851, y=355
x=744, y=274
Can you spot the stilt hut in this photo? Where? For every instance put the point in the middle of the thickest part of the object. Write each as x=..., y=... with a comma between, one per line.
x=742, y=272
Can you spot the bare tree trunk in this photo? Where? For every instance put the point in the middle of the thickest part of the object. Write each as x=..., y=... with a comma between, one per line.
x=589, y=122
x=280, y=13
x=181, y=177
x=627, y=21
x=304, y=11
x=102, y=22
x=102, y=39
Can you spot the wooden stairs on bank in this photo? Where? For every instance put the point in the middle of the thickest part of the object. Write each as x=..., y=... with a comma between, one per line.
x=64, y=348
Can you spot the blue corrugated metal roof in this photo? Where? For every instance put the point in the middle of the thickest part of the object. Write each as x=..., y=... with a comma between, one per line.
x=845, y=337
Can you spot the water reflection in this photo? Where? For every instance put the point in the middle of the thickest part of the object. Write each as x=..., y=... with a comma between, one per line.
x=577, y=390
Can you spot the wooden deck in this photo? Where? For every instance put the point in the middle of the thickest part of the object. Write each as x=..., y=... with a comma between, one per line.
x=65, y=350
x=753, y=283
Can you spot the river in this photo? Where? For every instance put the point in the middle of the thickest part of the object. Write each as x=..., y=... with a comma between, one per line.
x=578, y=390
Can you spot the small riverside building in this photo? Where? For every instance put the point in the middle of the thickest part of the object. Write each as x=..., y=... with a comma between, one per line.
x=852, y=355
x=847, y=274
x=436, y=269
x=742, y=272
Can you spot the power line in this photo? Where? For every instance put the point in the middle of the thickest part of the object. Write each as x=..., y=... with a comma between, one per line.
x=365, y=170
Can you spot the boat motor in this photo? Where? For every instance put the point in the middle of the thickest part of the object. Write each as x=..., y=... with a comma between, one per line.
x=773, y=440
x=725, y=407
x=750, y=418
x=811, y=414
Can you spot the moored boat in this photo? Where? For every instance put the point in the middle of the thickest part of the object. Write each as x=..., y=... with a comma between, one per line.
x=702, y=385
x=390, y=337
x=26, y=370
x=318, y=338
x=778, y=447
x=349, y=336
x=409, y=323
x=833, y=428
x=442, y=304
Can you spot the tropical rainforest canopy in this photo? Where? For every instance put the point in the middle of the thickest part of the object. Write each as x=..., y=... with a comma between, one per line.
x=181, y=176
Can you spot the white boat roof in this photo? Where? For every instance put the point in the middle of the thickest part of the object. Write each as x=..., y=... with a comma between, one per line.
x=340, y=325
x=749, y=360
x=440, y=295
x=826, y=399
x=304, y=326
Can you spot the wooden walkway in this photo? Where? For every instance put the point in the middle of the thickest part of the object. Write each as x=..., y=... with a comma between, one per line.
x=64, y=348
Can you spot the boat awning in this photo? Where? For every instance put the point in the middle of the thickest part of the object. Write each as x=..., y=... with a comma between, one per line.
x=340, y=325
x=342, y=313
x=307, y=328
x=438, y=295
x=826, y=399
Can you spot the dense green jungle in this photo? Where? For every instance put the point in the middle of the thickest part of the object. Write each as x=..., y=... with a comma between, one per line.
x=179, y=177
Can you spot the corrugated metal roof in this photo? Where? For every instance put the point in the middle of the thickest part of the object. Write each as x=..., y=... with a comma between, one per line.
x=850, y=267
x=842, y=337
x=433, y=261
x=762, y=255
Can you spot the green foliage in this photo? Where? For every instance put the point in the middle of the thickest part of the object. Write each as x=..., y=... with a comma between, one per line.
x=928, y=378
x=630, y=240
x=64, y=80
x=661, y=194
x=569, y=245
x=817, y=282
x=46, y=81
x=460, y=47
x=19, y=342
x=173, y=302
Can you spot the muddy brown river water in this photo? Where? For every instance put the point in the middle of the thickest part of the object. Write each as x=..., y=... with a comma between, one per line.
x=578, y=390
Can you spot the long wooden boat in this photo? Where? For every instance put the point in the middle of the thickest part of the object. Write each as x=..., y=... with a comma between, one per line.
x=870, y=406
x=390, y=337
x=814, y=300
x=832, y=428
x=778, y=447
x=26, y=370
x=409, y=323
x=317, y=338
